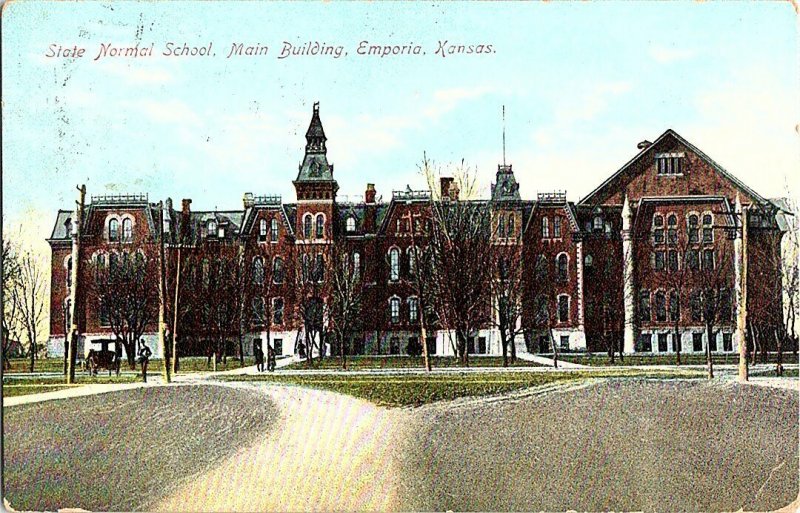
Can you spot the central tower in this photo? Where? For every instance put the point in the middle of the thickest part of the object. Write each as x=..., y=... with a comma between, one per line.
x=315, y=186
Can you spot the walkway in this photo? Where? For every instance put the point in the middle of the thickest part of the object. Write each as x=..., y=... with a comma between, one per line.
x=541, y=360
x=77, y=391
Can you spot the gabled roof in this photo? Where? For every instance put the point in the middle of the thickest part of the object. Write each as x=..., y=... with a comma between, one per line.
x=671, y=133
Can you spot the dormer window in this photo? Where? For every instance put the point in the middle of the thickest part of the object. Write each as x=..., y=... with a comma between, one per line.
x=211, y=228
x=668, y=164
x=127, y=230
x=351, y=224
x=113, y=230
x=598, y=223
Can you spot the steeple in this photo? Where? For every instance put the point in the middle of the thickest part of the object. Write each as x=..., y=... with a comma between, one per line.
x=315, y=167
x=506, y=187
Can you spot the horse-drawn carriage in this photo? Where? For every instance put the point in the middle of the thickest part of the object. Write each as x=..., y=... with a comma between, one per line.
x=102, y=358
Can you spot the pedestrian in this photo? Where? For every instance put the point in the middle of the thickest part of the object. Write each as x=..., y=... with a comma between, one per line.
x=258, y=353
x=144, y=357
x=270, y=358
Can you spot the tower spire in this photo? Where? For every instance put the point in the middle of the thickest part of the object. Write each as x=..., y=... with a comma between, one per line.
x=504, y=135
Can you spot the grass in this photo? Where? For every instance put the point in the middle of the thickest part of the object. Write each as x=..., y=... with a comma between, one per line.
x=602, y=360
x=187, y=364
x=403, y=362
x=419, y=389
x=24, y=386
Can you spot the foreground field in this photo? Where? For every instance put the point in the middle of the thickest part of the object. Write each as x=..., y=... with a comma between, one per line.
x=16, y=386
x=421, y=388
x=602, y=360
x=403, y=362
x=120, y=450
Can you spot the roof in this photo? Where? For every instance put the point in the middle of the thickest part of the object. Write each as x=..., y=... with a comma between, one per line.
x=60, y=231
x=671, y=133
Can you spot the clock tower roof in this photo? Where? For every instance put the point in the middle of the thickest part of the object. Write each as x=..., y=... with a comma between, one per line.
x=315, y=166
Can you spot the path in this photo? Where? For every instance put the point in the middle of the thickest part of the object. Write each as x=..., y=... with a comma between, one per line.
x=541, y=360
x=329, y=452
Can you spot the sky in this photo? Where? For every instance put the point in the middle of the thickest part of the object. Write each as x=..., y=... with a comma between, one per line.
x=582, y=84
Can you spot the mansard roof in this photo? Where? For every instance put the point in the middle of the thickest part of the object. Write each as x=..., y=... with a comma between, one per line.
x=611, y=181
x=60, y=231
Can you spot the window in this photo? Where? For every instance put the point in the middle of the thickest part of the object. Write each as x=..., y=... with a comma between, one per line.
x=394, y=345
x=541, y=268
x=673, y=260
x=262, y=230
x=645, y=343
x=351, y=224
x=481, y=345
x=305, y=268
x=696, y=306
x=277, y=310
x=542, y=313
x=708, y=231
x=205, y=271
x=394, y=310
x=672, y=229
x=697, y=342
x=677, y=343
x=103, y=313
x=674, y=306
x=320, y=226
x=598, y=223
x=725, y=305
x=431, y=343
x=727, y=342
x=661, y=306
x=413, y=309
x=273, y=230
x=563, y=308
x=100, y=265
x=211, y=228
x=712, y=342
x=258, y=271
x=511, y=231
x=563, y=343
x=277, y=346
x=658, y=229
x=357, y=263
x=501, y=227
x=113, y=230
x=127, y=230
x=69, y=272
x=669, y=164
x=307, y=226
x=394, y=264
x=708, y=259
x=644, y=306
x=658, y=260
x=258, y=311
x=319, y=268
x=412, y=260
x=277, y=270
x=693, y=259
x=545, y=228
x=588, y=261
x=563, y=264
x=557, y=227
x=694, y=231
x=662, y=343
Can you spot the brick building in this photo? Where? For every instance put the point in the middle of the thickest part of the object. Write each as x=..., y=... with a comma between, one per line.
x=625, y=265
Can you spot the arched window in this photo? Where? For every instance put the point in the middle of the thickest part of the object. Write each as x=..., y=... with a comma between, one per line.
x=412, y=260
x=351, y=224
x=319, y=268
x=262, y=230
x=588, y=261
x=545, y=228
x=708, y=232
x=658, y=229
x=357, y=263
x=511, y=230
x=541, y=268
x=307, y=226
x=413, y=309
x=501, y=227
x=557, y=227
x=394, y=264
x=305, y=268
x=598, y=223
x=672, y=229
x=273, y=230
x=113, y=230
x=661, y=306
x=212, y=228
x=100, y=265
x=258, y=271
x=563, y=265
x=277, y=270
x=674, y=306
x=127, y=229
x=320, y=225
x=542, y=311
x=694, y=230
x=394, y=309
x=258, y=310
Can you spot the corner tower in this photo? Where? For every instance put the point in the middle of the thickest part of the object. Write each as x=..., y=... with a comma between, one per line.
x=315, y=186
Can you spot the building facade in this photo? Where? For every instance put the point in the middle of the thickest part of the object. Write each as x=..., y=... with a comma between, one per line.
x=625, y=267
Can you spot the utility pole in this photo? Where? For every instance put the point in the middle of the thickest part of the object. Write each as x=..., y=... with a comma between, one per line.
x=175, y=312
x=741, y=318
x=72, y=336
x=162, y=295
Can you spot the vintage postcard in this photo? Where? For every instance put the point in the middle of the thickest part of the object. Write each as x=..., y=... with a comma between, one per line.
x=467, y=256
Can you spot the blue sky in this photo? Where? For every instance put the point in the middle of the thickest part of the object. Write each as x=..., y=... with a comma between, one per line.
x=582, y=84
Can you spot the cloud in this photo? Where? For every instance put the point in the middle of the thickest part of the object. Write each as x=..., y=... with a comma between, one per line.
x=666, y=55
x=446, y=100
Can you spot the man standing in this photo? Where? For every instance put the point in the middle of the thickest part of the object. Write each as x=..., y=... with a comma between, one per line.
x=258, y=353
x=144, y=357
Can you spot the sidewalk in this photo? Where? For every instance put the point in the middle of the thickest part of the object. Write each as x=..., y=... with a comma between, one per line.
x=541, y=360
x=78, y=391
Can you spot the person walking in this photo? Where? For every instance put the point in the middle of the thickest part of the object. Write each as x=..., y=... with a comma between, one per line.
x=258, y=353
x=270, y=358
x=144, y=357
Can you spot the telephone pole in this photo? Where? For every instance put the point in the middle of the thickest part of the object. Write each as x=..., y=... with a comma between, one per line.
x=71, y=338
x=162, y=294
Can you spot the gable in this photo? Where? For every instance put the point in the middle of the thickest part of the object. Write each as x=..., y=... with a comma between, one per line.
x=699, y=176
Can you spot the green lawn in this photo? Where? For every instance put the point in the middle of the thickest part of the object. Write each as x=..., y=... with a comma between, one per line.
x=603, y=360
x=403, y=362
x=40, y=365
x=187, y=364
x=24, y=386
x=418, y=389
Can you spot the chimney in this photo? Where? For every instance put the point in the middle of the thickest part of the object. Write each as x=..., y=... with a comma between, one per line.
x=185, y=209
x=445, y=183
x=644, y=144
x=248, y=200
x=369, y=195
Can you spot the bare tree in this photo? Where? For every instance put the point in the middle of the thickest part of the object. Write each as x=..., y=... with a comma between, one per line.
x=126, y=293
x=311, y=291
x=346, y=300
x=712, y=277
x=11, y=276
x=508, y=287
x=459, y=244
x=29, y=294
